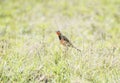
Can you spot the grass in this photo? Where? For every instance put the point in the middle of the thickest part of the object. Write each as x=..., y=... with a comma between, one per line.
x=30, y=51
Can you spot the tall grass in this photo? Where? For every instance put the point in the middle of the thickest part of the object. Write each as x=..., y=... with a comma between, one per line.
x=30, y=51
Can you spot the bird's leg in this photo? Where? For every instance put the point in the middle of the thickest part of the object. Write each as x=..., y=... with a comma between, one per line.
x=66, y=51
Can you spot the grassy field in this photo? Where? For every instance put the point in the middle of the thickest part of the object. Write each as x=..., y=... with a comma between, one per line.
x=30, y=51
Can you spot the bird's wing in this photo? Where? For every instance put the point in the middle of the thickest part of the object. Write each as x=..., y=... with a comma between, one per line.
x=67, y=40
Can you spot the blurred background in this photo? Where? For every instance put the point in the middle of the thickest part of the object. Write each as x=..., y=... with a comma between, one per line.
x=30, y=49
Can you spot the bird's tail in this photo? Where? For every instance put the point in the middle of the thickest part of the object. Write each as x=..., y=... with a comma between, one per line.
x=76, y=48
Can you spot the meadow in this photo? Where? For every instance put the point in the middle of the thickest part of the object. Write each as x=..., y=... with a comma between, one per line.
x=30, y=51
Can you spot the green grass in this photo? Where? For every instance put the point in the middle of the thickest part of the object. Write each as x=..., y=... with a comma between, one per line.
x=30, y=51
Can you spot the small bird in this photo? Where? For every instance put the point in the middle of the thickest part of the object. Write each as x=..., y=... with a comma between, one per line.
x=64, y=41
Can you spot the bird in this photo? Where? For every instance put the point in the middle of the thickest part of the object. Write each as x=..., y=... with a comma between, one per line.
x=65, y=41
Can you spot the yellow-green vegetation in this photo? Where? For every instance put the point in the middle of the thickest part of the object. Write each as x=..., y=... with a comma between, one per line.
x=30, y=51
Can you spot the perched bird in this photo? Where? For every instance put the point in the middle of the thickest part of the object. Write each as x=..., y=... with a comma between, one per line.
x=64, y=41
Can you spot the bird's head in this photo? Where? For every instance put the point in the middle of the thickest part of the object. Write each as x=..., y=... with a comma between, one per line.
x=58, y=33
